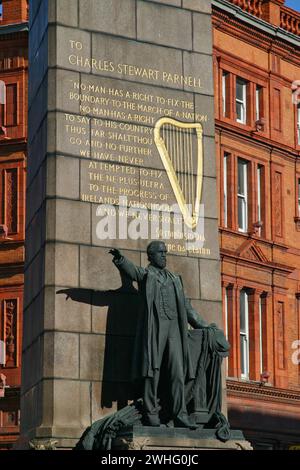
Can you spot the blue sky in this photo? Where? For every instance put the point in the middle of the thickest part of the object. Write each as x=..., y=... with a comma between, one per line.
x=293, y=4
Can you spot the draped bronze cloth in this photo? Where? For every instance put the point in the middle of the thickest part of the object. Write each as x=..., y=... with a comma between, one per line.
x=207, y=348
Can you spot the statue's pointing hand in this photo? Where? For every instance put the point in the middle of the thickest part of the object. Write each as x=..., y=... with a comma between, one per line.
x=116, y=253
x=67, y=292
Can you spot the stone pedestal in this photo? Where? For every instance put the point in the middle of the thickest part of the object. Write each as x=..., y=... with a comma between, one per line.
x=150, y=438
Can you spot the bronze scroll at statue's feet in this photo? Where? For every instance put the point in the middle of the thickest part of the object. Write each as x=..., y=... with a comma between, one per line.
x=184, y=422
x=152, y=420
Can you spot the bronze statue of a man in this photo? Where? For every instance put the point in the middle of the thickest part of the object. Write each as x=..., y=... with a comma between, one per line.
x=162, y=330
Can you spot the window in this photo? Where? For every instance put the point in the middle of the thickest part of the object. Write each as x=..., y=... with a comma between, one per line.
x=298, y=124
x=226, y=311
x=9, y=191
x=11, y=105
x=259, y=195
x=225, y=94
x=258, y=102
x=2, y=102
x=8, y=104
x=242, y=195
x=244, y=333
x=277, y=109
x=2, y=352
x=225, y=195
x=241, y=100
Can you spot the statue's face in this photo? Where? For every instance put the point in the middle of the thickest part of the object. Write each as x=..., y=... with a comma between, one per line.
x=158, y=257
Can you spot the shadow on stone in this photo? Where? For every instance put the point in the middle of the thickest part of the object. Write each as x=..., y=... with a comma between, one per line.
x=123, y=305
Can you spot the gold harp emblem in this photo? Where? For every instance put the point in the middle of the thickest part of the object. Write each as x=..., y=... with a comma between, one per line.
x=180, y=146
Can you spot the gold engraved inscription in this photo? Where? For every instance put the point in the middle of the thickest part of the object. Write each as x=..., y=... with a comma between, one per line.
x=77, y=59
x=113, y=133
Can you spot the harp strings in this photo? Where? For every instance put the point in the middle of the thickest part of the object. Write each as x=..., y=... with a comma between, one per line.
x=189, y=164
x=192, y=162
x=180, y=147
x=186, y=160
x=192, y=172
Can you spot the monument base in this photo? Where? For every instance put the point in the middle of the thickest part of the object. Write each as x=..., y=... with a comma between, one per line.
x=49, y=438
x=164, y=438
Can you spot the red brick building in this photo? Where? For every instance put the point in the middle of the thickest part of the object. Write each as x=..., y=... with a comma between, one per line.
x=256, y=61
x=13, y=138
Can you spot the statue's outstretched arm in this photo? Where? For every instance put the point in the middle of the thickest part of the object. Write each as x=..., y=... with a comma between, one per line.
x=136, y=273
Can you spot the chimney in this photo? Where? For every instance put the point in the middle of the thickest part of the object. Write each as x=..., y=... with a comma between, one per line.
x=14, y=11
x=271, y=11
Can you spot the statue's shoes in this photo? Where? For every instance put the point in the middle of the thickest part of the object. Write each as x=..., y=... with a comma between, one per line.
x=152, y=420
x=184, y=422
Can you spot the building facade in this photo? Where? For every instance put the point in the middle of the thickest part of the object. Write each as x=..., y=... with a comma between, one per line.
x=13, y=140
x=257, y=65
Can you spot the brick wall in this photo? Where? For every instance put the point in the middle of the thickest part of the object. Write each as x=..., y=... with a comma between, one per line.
x=263, y=260
x=14, y=11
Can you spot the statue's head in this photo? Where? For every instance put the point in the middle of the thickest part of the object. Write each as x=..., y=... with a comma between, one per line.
x=157, y=254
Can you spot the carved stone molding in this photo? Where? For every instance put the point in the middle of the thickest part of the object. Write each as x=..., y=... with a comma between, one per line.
x=226, y=22
x=256, y=391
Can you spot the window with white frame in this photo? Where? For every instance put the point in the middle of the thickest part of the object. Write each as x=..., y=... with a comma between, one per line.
x=261, y=333
x=259, y=194
x=241, y=100
x=244, y=333
x=2, y=353
x=258, y=101
x=242, y=195
x=2, y=102
x=225, y=76
x=225, y=194
x=226, y=309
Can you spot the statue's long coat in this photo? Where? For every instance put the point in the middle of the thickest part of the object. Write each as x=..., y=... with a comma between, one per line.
x=146, y=342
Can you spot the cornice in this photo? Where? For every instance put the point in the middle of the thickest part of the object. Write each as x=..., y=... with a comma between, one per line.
x=267, y=265
x=238, y=23
x=228, y=58
x=257, y=391
x=11, y=392
x=254, y=21
x=14, y=268
x=256, y=139
x=14, y=28
x=13, y=145
x=261, y=241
